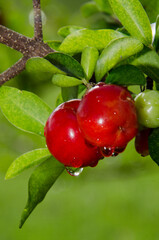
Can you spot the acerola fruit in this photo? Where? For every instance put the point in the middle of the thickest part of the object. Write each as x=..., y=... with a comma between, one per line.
x=107, y=116
x=141, y=142
x=65, y=140
x=147, y=106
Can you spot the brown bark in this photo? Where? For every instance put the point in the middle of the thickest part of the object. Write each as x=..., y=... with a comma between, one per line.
x=29, y=47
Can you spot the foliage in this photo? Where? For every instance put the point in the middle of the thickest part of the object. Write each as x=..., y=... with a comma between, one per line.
x=126, y=75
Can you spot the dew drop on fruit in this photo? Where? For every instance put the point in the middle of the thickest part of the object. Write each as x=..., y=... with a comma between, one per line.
x=120, y=149
x=114, y=154
x=74, y=171
x=106, y=151
x=117, y=150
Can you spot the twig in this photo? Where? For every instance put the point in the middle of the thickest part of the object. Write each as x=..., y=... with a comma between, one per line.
x=15, y=40
x=29, y=47
x=13, y=71
x=38, y=34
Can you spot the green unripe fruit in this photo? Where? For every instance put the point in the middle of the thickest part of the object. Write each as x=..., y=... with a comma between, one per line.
x=147, y=106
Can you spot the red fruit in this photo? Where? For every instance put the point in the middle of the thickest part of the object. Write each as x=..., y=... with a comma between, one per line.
x=107, y=116
x=141, y=142
x=65, y=140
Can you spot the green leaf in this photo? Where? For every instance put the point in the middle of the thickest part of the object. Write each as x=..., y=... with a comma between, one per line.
x=123, y=30
x=151, y=8
x=81, y=90
x=59, y=100
x=37, y=64
x=41, y=180
x=26, y=161
x=24, y=109
x=104, y=6
x=156, y=40
x=67, y=64
x=134, y=19
x=153, y=142
x=80, y=39
x=69, y=93
x=126, y=75
x=88, y=60
x=114, y=53
x=89, y=8
x=65, y=81
x=54, y=44
x=148, y=62
x=66, y=30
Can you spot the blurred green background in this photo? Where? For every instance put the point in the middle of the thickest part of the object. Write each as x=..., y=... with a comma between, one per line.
x=118, y=199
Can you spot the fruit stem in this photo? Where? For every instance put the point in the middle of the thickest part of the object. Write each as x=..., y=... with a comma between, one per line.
x=87, y=84
x=149, y=84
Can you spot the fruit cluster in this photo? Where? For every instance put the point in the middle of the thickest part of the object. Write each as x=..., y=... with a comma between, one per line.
x=80, y=132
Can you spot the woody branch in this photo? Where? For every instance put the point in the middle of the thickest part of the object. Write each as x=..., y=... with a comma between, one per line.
x=29, y=47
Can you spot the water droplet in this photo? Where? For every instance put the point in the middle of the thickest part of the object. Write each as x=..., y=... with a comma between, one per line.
x=106, y=151
x=114, y=154
x=31, y=17
x=120, y=149
x=74, y=171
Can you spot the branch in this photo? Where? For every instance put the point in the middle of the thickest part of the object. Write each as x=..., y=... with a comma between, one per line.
x=14, y=40
x=13, y=71
x=38, y=34
x=29, y=47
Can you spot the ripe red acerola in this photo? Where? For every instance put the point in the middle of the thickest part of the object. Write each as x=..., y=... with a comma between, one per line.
x=65, y=140
x=107, y=116
x=141, y=142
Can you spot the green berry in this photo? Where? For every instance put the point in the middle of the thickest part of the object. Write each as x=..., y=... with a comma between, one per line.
x=147, y=106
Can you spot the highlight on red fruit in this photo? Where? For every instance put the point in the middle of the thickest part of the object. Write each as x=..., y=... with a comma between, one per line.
x=107, y=116
x=141, y=142
x=65, y=140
